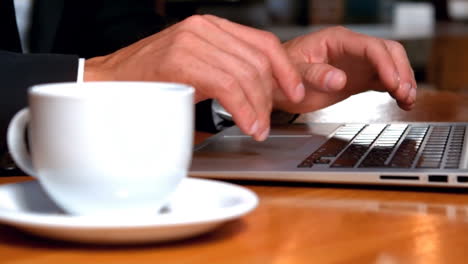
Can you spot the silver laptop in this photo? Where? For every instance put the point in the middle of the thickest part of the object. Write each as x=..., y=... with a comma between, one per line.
x=425, y=154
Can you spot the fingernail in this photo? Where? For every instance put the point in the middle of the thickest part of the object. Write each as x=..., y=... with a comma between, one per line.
x=396, y=77
x=407, y=88
x=300, y=92
x=253, y=128
x=264, y=135
x=412, y=96
x=334, y=80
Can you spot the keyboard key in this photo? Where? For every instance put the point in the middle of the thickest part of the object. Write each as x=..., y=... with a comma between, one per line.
x=332, y=147
x=375, y=146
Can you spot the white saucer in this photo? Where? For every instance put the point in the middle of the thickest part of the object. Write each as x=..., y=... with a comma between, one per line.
x=197, y=206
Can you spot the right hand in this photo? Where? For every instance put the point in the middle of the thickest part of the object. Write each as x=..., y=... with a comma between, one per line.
x=337, y=63
x=234, y=64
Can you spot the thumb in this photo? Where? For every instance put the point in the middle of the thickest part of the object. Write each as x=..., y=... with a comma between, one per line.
x=322, y=77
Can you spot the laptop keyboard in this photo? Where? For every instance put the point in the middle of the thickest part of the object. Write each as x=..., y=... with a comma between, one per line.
x=391, y=146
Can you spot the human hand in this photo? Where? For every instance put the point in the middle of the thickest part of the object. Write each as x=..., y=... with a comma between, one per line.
x=336, y=63
x=234, y=64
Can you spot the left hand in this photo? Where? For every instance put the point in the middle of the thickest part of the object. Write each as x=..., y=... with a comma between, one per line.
x=336, y=63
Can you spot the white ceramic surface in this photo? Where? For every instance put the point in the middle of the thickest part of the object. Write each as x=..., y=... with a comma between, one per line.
x=458, y=9
x=197, y=206
x=106, y=147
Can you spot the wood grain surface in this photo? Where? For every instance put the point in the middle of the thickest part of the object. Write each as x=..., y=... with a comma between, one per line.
x=306, y=223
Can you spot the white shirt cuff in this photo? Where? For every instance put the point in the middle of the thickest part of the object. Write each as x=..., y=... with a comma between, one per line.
x=219, y=115
x=80, y=75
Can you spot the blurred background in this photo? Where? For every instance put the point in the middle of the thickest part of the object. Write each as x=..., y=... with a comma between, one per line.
x=434, y=32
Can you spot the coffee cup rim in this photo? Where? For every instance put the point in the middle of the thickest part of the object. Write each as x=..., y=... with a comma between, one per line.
x=55, y=89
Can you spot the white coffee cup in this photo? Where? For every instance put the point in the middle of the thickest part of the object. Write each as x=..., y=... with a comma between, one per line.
x=106, y=148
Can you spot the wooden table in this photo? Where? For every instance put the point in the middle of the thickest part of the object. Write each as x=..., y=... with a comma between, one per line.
x=306, y=223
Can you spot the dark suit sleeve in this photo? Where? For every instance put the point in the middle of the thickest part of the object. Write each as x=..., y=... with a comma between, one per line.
x=92, y=28
x=19, y=71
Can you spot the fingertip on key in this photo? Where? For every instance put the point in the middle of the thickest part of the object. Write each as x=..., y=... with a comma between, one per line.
x=264, y=134
x=254, y=128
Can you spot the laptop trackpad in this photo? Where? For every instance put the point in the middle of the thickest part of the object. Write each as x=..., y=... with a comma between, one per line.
x=246, y=153
x=285, y=148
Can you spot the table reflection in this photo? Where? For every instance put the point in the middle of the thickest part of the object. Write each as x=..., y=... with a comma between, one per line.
x=450, y=211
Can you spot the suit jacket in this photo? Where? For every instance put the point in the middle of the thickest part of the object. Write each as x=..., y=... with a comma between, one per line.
x=63, y=31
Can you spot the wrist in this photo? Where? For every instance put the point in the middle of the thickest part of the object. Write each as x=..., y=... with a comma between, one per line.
x=94, y=70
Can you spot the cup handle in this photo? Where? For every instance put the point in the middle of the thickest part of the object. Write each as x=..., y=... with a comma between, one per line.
x=16, y=144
